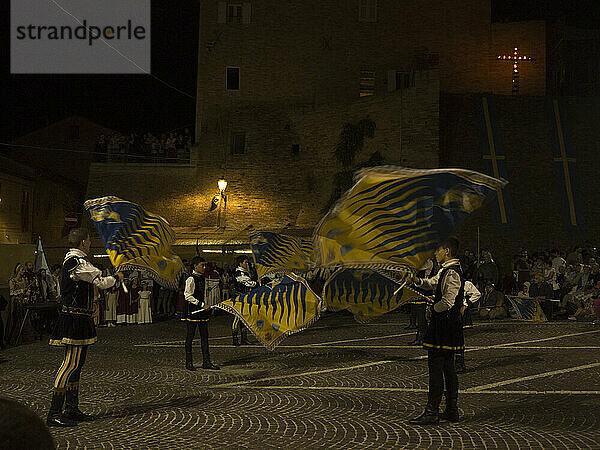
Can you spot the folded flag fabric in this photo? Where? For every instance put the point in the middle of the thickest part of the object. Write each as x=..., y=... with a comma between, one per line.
x=278, y=253
x=526, y=308
x=136, y=239
x=395, y=217
x=274, y=311
x=365, y=293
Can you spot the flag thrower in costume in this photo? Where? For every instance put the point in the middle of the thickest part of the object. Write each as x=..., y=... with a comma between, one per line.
x=136, y=239
x=276, y=310
x=393, y=218
x=278, y=253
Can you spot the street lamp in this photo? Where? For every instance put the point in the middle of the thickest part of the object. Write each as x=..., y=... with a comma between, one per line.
x=222, y=185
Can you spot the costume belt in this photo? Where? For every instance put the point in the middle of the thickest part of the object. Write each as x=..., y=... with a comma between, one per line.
x=78, y=311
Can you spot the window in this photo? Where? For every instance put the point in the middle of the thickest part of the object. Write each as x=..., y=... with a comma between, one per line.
x=74, y=132
x=295, y=149
x=233, y=78
x=367, y=11
x=238, y=143
x=367, y=83
x=234, y=13
x=398, y=80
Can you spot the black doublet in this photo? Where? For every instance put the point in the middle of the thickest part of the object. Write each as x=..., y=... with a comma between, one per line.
x=196, y=313
x=75, y=325
x=445, y=330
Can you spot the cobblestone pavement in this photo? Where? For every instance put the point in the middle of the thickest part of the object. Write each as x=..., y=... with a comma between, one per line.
x=338, y=384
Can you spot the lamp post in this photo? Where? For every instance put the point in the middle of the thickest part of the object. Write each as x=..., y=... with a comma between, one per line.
x=222, y=183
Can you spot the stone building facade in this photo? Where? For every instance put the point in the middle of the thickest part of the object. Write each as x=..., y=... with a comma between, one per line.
x=278, y=81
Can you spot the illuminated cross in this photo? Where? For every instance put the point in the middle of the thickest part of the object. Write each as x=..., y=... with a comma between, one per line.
x=515, y=58
x=565, y=165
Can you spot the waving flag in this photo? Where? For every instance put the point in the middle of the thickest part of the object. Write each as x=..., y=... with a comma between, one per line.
x=525, y=308
x=364, y=293
x=277, y=310
x=136, y=239
x=280, y=253
x=394, y=218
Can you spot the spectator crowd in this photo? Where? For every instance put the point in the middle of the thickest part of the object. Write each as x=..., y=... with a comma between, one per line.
x=172, y=147
x=565, y=284
x=40, y=293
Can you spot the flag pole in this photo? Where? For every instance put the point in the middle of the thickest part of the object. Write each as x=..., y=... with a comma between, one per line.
x=478, y=249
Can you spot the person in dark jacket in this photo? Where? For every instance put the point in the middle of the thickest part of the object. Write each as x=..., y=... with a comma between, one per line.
x=75, y=329
x=197, y=314
x=444, y=336
x=243, y=284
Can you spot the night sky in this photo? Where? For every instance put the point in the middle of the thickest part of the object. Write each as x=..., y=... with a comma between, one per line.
x=141, y=103
x=122, y=102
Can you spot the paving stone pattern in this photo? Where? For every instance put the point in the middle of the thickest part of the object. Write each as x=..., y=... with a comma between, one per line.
x=339, y=384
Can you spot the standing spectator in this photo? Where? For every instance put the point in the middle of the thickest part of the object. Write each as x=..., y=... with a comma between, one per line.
x=111, y=306
x=145, y=298
x=523, y=268
x=171, y=149
x=162, y=303
x=123, y=304
x=19, y=294
x=227, y=284
x=213, y=281
x=575, y=258
x=56, y=268
x=488, y=270
x=44, y=286
x=3, y=305
x=133, y=306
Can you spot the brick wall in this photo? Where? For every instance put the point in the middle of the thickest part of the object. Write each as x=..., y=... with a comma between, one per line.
x=268, y=185
x=526, y=134
x=312, y=52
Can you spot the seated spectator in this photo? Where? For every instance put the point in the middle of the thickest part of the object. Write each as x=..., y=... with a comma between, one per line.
x=492, y=304
x=524, y=292
x=587, y=310
x=542, y=292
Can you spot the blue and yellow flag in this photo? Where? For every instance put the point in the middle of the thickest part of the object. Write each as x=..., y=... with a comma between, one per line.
x=526, y=308
x=365, y=293
x=278, y=253
x=276, y=310
x=396, y=217
x=136, y=239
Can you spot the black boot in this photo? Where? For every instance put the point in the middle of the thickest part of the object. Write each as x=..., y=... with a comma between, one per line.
x=189, y=365
x=206, y=363
x=72, y=410
x=460, y=363
x=236, y=342
x=55, y=417
x=451, y=411
x=245, y=340
x=431, y=416
x=418, y=340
